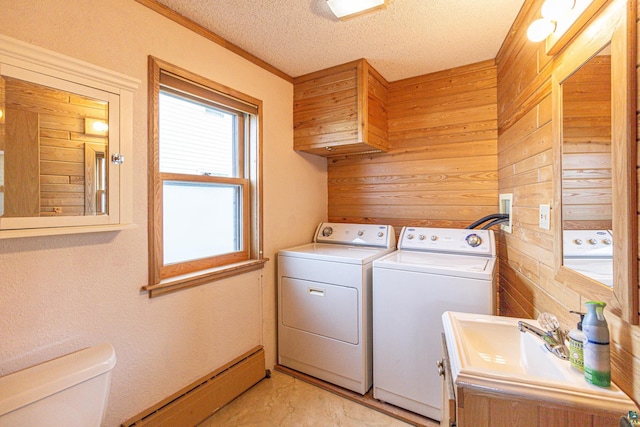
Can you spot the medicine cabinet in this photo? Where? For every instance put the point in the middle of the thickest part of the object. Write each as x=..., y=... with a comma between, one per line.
x=65, y=144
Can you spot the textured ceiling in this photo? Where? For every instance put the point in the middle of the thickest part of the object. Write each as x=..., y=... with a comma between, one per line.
x=407, y=39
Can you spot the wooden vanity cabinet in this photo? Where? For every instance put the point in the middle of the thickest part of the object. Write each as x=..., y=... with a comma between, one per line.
x=466, y=405
x=340, y=110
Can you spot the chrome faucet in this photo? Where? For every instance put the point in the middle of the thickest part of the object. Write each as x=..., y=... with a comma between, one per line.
x=553, y=338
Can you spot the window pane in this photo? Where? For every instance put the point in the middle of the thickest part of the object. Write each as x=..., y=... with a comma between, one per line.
x=195, y=138
x=200, y=220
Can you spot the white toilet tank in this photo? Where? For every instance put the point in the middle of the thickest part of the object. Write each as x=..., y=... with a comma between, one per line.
x=70, y=391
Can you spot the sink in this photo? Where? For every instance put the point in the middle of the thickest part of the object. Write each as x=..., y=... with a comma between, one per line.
x=490, y=352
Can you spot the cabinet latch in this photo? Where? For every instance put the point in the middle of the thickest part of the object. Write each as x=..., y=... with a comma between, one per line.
x=117, y=158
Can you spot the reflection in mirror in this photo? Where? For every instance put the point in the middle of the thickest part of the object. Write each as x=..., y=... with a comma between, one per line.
x=53, y=151
x=586, y=169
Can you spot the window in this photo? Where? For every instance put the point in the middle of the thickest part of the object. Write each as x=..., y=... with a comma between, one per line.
x=204, y=198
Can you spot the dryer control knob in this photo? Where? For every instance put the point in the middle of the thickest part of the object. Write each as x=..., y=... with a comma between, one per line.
x=592, y=241
x=327, y=231
x=422, y=237
x=409, y=236
x=380, y=234
x=474, y=240
x=360, y=233
x=434, y=238
x=578, y=241
x=606, y=241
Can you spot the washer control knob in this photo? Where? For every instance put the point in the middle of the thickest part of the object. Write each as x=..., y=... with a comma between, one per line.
x=473, y=240
x=380, y=234
x=578, y=242
x=327, y=231
x=360, y=233
x=409, y=236
x=592, y=241
x=434, y=238
x=422, y=237
x=606, y=241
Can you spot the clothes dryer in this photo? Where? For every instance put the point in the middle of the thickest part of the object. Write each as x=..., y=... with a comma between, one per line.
x=434, y=270
x=324, y=303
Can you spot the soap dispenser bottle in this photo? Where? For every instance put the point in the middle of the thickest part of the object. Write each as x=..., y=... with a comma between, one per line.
x=576, y=339
x=597, y=363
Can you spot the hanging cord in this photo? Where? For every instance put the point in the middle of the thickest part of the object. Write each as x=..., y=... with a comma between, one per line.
x=495, y=222
x=487, y=218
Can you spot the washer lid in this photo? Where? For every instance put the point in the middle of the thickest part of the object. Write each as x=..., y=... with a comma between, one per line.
x=596, y=268
x=336, y=253
x=480, y=267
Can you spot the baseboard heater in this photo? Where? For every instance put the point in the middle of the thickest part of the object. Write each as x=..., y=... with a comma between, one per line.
x=196, y=402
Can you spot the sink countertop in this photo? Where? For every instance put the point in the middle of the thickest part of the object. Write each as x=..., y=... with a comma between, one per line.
x=489, y=352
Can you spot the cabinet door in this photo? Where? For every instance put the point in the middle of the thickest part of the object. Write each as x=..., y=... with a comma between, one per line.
x=448, y=391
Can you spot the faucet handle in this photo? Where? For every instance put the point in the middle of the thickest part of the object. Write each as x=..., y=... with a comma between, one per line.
x=548, y=322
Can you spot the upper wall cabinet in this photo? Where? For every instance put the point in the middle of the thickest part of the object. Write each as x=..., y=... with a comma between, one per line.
x=340, y=110
x=65, y=133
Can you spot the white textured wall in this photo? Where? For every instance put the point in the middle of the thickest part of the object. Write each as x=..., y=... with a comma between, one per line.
x=62, y=293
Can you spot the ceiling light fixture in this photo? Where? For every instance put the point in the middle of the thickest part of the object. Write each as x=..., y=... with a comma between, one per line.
x=345, y=9
x=553, y=13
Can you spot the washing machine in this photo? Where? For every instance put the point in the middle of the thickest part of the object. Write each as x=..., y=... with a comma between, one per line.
x=590, y=253
x=324, y=303
x=434, y=270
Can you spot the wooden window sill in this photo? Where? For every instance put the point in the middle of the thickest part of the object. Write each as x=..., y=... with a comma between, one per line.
x=186, y=281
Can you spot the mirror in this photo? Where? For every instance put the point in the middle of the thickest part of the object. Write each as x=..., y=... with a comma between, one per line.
x=593, y=120
x=53, y=151
x=586, y=169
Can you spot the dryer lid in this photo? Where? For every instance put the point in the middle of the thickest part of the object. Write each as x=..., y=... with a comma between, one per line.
x=336, y=253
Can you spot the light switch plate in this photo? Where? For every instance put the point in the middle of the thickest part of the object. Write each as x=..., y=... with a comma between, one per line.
x=545, y=217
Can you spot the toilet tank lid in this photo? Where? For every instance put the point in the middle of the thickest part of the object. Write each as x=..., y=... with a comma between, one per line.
x=37, y=382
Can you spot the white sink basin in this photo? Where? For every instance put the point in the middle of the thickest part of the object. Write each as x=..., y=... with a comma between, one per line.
x=490, y=351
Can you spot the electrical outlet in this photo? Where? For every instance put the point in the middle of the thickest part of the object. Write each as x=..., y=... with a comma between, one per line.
x=545, y=217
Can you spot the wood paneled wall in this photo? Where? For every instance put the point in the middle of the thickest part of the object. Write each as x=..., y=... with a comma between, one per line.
x=441, y=167
x=526, y=257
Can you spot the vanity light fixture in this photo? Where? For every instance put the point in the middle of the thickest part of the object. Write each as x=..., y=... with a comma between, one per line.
x=556, y=15
x=345, y=9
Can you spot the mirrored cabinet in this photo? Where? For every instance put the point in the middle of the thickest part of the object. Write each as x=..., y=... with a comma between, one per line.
x=65, y=133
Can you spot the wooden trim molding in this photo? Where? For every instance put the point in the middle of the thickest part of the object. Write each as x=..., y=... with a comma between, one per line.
x=178, y=283
x=210, y=35
x=202, y=398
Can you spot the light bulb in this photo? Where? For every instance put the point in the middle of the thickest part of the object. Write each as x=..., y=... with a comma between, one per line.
x=540, y=29
x=99, y=126
x=554, y=10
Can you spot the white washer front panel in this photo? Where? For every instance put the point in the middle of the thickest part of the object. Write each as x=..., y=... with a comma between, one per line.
x=478, y=267
x=320, y=308
x=336, y=253
x=407, y=324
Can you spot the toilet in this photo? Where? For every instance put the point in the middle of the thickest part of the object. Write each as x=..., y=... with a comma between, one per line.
x=71, y=390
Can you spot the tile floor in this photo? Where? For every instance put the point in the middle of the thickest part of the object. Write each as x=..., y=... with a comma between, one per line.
x=283, y=400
